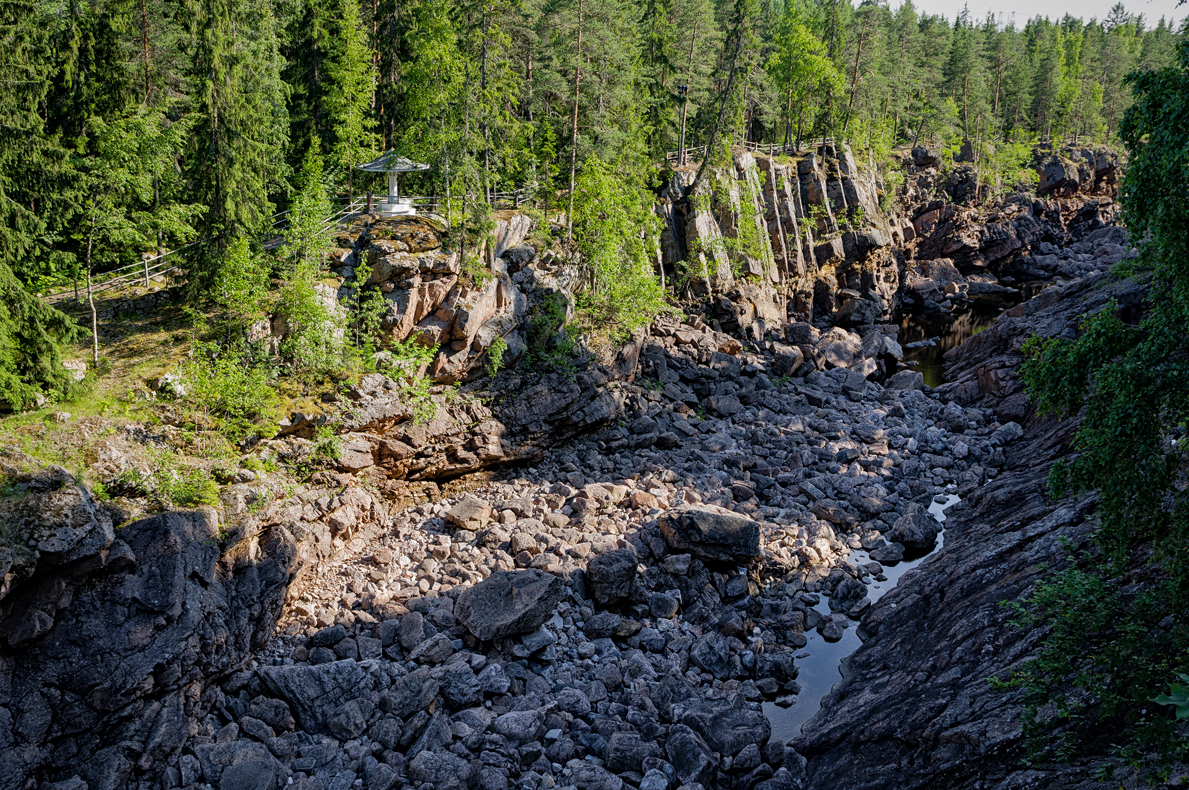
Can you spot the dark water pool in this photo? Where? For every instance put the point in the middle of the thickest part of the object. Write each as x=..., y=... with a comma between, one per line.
x=819, y=670
x=949, y=330
x=952, y=329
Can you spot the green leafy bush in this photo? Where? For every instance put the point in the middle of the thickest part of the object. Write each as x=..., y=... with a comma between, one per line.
x=241, y=289
x=1177, y=696
x=170, y=483
x=316, y=343
x=327, y=444
x=1118, y=616
x=225, y=384
x=550, y=347
x=615, y=229
x=495, y=356
x=405, y=363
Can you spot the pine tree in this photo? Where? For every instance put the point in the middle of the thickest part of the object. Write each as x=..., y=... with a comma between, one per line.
x=92, y=78
x=589, y=59
x=1049, y=54
x=697, y=44
x=305, y=235
x=658, y=53
x=1120, y=48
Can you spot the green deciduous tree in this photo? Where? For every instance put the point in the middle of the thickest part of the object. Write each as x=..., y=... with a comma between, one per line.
x=800, y=70
x=1115, y=648
x=616, y=231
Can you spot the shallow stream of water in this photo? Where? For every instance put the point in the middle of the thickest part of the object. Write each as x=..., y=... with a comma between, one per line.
x=819, y=662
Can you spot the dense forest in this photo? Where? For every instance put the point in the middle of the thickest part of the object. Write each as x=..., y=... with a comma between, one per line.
x=138, y=125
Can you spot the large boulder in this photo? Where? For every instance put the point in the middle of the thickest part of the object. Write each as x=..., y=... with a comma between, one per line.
x=509, y=603
x=611, y=576
x=712, y=533
x=316, y=693
x=916, y=530
x=728, y=728
x=690, y=755
x=923, y=157
x=840, y=348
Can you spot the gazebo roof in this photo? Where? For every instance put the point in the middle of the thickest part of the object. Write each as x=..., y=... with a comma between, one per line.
x=390, y=162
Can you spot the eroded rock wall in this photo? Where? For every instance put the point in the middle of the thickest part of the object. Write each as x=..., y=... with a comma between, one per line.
x=820, y=248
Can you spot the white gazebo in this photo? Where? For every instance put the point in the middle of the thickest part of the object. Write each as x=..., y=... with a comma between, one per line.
x=392, y=164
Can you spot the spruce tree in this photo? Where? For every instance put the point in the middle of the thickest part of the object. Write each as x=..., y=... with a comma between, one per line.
x=31, y=333
x=351, y=85
x=237, y=149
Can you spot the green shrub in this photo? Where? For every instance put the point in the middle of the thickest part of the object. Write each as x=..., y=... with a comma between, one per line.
x=169, y=483
x=550, y=347
x=495, y=356
x=230, y=388
x=316, y=343
x=327, y=444
x=1118, y=615
x=405, y=363
x=616, y=229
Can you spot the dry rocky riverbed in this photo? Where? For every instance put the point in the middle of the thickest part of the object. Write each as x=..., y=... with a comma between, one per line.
x=615, y=615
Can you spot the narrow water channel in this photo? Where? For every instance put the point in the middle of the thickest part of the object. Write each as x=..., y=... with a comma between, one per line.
x=951, y=329
x=946, y=330
x=819, y=663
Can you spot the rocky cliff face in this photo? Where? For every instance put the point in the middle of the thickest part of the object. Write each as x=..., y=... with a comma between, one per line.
x=830, y=253
x=996, y=245
x=111, y=635
x=915, y=709
x=819, y=250
x=114, y=634
x=430, y=299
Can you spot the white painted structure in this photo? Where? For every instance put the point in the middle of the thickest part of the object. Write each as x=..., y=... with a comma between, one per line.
x=392, y=164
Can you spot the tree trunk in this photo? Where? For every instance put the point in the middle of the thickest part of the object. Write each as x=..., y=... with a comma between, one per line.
x=574, y=126
x=91, y=300
x=854, y=78
x=528, y=82
x=483, y=93
x=446, y=156
x=375, y=48
x=788, y=121
x=144, y=32
x=722, y=107
x=689, y=72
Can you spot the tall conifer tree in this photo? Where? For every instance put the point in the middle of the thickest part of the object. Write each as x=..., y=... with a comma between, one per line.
x=237, y=153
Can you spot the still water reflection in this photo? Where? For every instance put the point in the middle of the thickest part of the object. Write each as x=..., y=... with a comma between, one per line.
x=819, y=670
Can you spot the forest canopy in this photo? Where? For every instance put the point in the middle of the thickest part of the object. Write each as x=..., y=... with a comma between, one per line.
x=133, y=126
